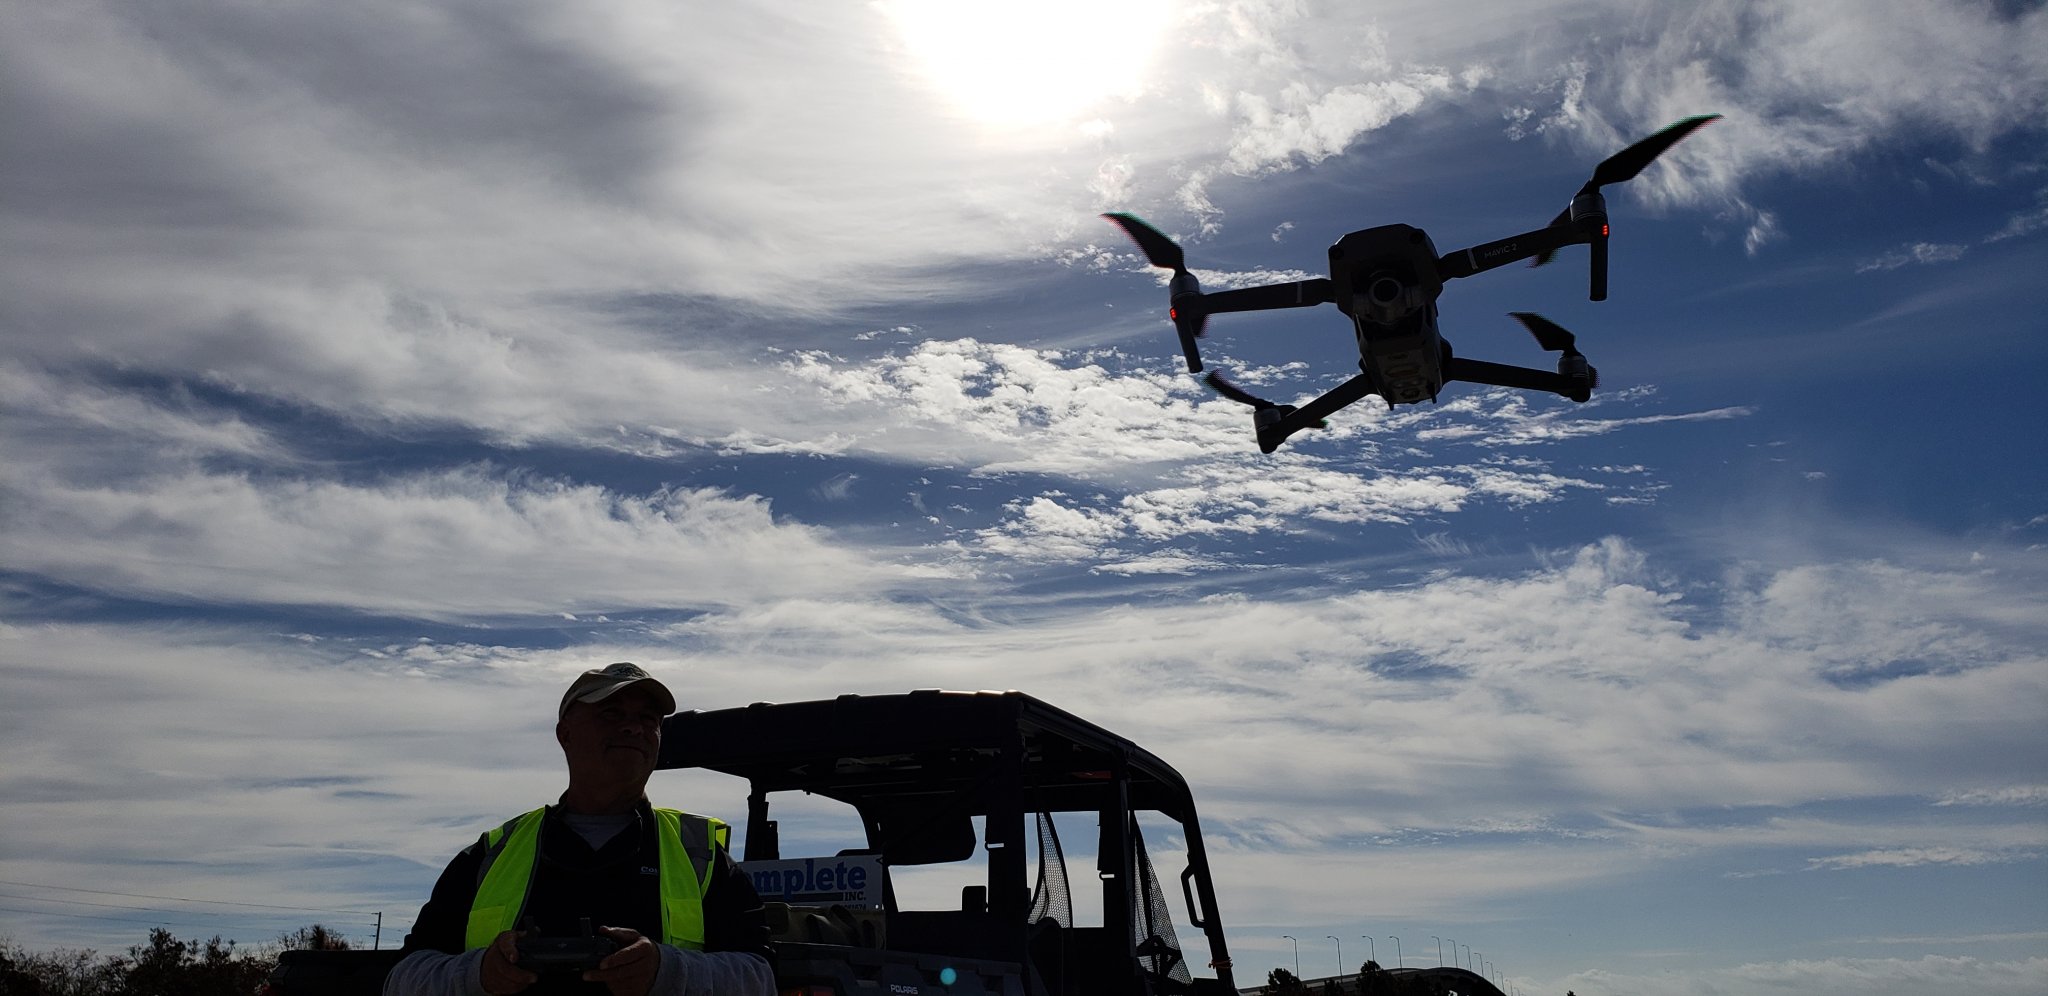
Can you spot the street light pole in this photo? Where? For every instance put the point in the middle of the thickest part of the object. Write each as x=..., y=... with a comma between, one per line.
x=1297, y=955
x=1439, y=950
x=1468, y=957
x=1340, y=953
x=1398, y=963
x=1371, y=954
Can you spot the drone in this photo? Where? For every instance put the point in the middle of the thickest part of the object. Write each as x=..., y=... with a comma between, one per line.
x=1388, y=279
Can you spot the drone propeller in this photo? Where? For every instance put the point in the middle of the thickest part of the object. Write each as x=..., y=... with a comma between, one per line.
x=1235, y=393
x=1238, y=394
x=1184, y=293
x=1617, y=168
x=1551, y=336
x=1556, y=338
x=1270, y=421
x=1624, y=165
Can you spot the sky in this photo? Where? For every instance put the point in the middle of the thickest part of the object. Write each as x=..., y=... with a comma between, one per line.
x=371, y=369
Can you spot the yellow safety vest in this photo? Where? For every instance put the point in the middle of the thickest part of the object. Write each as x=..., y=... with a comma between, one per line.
x=688, y=846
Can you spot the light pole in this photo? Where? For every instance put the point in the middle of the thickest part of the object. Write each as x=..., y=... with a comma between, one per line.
x=1454, y=954
x=1297, y=955
x=1398, y=963
x=1340, y=953
x=1439, y=950
x=1475, y=956
x=1371, y=953
x=1468, y=956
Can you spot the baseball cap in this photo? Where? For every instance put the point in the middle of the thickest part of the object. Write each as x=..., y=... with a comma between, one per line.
x=598, y=684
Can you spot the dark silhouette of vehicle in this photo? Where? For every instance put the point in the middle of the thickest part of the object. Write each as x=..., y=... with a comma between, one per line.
x=960, y=795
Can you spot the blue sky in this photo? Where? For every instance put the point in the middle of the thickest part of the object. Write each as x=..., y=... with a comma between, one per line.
x=371, y=369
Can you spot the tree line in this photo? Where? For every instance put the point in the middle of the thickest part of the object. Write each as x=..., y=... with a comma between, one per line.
x=165, y=966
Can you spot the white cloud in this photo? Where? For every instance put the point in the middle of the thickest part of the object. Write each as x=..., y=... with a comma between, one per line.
x=302, y=230
x=47, y=413
x=1803, y=86
x=1918, y=252
x=1164, y=562
x=1008, y=409
x=1553, y=699
x=2024, y=223
x=1828, y=977
x=438, y=545
x=1912, y=857
x=1236, y=496
x=2008, y=795
x=1302, y=122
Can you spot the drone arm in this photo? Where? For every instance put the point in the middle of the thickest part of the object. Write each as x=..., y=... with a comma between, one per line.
x=1273, y=433
x=1500, y=252
x=1524, y=378
x=1297, y=294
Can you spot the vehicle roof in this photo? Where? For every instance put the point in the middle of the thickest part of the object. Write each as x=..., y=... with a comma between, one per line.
x=889, y=750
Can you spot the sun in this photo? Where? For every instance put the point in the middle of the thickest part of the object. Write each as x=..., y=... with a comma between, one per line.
x=1014, y=65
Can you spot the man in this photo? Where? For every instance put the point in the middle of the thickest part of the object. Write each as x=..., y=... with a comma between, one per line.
x=659, y=883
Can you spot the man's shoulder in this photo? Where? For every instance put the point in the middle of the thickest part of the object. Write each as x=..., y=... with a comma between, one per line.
x=490, y=835
x=684, y=813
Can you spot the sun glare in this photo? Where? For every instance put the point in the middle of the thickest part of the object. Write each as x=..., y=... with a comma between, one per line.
x=1026, y=64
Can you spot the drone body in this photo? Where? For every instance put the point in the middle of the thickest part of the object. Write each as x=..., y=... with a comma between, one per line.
x=1387, y=280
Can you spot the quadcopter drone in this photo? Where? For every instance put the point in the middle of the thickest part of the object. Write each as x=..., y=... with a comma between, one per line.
x=1388, y=279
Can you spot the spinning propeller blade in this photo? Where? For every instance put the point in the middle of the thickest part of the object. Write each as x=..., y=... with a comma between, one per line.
x=1558, y=339
x=1158, y=249
x=1184, y=293
x=1235, y=393
x=1625, y=165
x=1551, y=336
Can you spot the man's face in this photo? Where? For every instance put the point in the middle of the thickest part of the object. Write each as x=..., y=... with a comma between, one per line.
x=612, y=741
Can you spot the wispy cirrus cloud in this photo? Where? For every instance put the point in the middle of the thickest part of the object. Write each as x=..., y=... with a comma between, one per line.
x=1913, y=857
x=2024, y=223
x=1802, y=85
x=1922, y=253
x=2009, y=795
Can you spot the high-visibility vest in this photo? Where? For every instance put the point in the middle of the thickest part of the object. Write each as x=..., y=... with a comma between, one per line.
x=688, y=846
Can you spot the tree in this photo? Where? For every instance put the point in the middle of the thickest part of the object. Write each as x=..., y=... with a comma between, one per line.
x=314, y=938
x=15, y=982
x=58, y=973
x=1371, y=978
x=167, y=966
x=1281, y=980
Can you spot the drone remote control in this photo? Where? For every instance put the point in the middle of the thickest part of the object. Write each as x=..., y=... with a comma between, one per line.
x=541, y=954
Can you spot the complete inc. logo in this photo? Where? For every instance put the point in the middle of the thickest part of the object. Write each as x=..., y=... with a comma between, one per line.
x=849, y=880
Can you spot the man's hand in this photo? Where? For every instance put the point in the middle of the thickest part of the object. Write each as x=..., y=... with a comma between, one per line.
x=630, y=970
x=501, y=974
